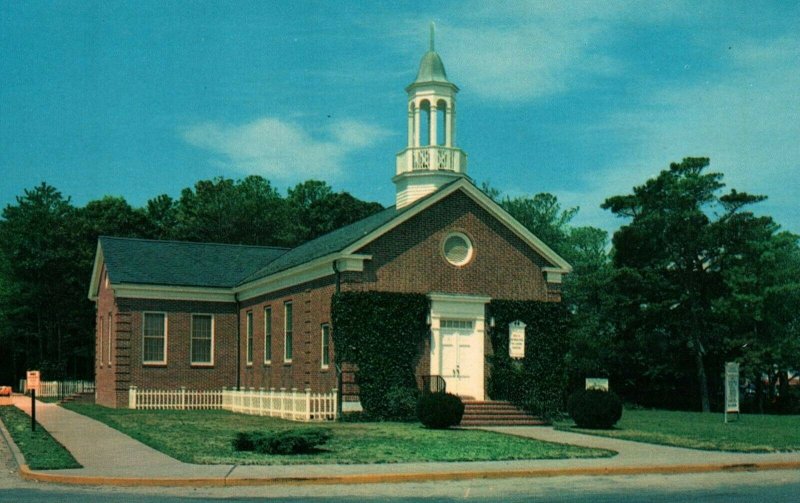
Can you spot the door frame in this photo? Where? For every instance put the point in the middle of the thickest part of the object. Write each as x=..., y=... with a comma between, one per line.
x=460, y=307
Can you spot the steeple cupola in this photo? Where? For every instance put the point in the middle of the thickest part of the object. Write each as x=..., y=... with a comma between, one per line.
x=430, y=158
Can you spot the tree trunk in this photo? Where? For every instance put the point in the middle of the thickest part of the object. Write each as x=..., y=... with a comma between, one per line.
x=702, y=380
x=760, y=394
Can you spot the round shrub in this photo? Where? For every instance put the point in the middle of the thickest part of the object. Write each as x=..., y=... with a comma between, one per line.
x=594, y=408
x=439, y=410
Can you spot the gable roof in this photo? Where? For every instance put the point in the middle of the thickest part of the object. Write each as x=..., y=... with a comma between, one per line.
x=465, y=185
x=182, y=263
x=256, y=269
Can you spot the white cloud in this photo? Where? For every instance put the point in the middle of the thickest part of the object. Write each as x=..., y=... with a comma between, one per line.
x=746, y=121
x=521, y=50
x=283, y=150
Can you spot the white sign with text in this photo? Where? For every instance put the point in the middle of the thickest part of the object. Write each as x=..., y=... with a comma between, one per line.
x=516, y=339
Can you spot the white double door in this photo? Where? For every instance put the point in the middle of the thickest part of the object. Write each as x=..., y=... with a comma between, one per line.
x=461, y=357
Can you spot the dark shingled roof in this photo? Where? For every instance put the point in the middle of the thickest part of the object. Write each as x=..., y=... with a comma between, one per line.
x=329, y=243
x=183, y=263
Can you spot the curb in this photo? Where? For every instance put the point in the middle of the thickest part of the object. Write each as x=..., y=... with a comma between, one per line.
x=389, y=478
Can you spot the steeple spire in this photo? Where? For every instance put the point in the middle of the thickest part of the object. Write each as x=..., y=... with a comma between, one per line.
x=431, y=158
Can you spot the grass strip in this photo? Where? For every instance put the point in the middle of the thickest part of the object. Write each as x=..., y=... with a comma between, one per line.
x=41, y=451
x=705, y=431
x=205, y=437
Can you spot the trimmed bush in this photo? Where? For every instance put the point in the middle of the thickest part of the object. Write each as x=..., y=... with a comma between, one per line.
x=297, y=441
x=594, y=408
x=439, y=410
x=243, y=441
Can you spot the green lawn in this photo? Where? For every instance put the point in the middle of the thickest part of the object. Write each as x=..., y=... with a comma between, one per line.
x=41, y=451
x=205, y=437
x=751, y=433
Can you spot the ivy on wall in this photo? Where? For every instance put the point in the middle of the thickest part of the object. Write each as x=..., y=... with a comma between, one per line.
x=384, y=334
x=537, y=382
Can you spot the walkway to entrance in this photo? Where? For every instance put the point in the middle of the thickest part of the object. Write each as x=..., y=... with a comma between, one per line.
x=109, y=457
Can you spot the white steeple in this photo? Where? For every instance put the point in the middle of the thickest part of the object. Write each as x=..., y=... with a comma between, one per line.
x=430, y=158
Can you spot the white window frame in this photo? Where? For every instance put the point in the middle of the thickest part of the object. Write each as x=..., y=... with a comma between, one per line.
x=470, y=249
x=288, y=306
x=110, y=336
x=166, y=338
x=101, y=349
x=191, y=341
x=325, y=348
x=249, y=348
x=267, y=332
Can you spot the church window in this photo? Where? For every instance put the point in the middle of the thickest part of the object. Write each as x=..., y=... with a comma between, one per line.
x=458, y=249
x=154, y=338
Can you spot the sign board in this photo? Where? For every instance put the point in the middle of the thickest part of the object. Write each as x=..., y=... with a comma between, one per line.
x=600, y=383
x=731, y=389
x=516, y=339
x=32, y=380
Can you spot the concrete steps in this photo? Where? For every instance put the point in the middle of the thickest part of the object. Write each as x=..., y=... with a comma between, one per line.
x=496, y=413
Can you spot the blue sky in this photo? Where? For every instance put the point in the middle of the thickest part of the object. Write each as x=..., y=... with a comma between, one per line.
x=581, y=99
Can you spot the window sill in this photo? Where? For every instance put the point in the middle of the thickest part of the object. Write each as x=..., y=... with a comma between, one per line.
x=155, y=364
x=201, y=365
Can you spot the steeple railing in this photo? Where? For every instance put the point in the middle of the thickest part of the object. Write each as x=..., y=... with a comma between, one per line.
x=431, y=158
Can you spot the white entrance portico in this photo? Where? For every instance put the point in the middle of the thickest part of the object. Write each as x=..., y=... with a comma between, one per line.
x=457, y=342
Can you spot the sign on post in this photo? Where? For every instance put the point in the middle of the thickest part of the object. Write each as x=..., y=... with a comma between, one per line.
x=32, y=380
x=516, y=339
x=731, y=389
x=600, y=383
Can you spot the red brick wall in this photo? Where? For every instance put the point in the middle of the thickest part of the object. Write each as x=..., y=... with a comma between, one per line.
x=179, y=371
x=311, y=305
x=410, y=259
x=106, y=374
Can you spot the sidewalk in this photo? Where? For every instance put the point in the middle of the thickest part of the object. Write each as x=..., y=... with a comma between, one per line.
x=112, y=458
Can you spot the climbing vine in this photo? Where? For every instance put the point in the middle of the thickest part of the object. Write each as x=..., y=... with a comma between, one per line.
x=383, y=333
x=536, y=382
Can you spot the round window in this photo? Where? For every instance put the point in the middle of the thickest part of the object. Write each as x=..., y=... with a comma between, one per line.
x=457, y=249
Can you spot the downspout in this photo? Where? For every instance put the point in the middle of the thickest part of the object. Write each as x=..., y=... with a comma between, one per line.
x=338, y=287
x=338, y=276
x=238, y=342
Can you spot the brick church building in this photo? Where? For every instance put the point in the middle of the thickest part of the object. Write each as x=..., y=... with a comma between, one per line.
x=205, y=316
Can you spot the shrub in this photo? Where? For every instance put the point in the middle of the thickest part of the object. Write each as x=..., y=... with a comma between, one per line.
x=439, y=410
x=401, y=403
x=297, y=441
x=243, y=441
x=594, y=408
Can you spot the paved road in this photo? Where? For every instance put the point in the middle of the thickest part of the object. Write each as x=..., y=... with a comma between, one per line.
x=509, y=491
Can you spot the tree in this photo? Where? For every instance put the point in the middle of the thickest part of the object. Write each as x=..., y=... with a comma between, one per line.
x=38, y=251
x=317, y=210
x=222, y=210
x=162, y=216
x=586, y=290
x=672, y=263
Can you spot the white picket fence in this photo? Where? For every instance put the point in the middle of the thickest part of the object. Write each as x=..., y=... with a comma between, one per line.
x=59, y=388
x=180, y=399
x=293, y=405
